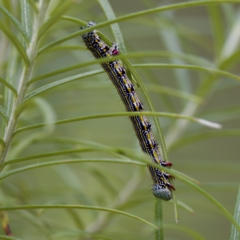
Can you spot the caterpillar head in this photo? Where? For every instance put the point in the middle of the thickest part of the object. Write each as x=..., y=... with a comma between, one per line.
x=161, y=192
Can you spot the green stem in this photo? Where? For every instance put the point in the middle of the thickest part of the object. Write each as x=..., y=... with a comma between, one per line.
x=22, y=87
x=159, y=234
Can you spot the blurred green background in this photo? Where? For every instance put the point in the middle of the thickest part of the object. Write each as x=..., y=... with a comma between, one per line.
x=204, y=36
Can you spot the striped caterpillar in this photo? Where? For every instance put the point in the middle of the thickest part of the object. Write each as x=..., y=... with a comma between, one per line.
x=117, y=74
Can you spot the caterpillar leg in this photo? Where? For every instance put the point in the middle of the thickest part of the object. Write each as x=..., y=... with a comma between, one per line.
x=166, y=164
x=169, y=185
x=167, y=176
x=114, y=50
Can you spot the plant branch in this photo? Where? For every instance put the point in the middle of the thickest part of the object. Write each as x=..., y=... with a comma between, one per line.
x=22, y=87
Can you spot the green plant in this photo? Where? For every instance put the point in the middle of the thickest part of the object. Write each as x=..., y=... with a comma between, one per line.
x=57, y=109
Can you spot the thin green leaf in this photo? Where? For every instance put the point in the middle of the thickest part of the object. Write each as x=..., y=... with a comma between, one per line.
x=3, y=113
x=15, y=42
x=15, y=22
x=84, y=143
x=11, y=78
x=59, y=83
x=75, y=20
x=235, y=234
x=185, y=206
x=9, y=86
x=230, y=60
x=48, y=115
x=202, y=136
x=211, y=199
x=26, y=17
x=233, y=37
x=118, y=114
x=210, y=70
x=55, y=16
x=113, y=151
x=218, y=205
x=62, y=70
x=150, y=65
x=143, y=200
x=98, y=160
x=60, y=206
x=122, y=57
x=124, y=152
x=66, y=161
x=143, y=159
x=229, y=13
x=115, y=27
x=173, y=92
x=18, y=148
x=47, y=110
x=58, y=153
x=177, y=173
x=33, y=5
x=138, y=14
x=216, y=18
x=183, y=178
x=2, y=237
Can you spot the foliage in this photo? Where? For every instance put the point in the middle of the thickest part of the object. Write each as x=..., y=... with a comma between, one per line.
x=71, y=167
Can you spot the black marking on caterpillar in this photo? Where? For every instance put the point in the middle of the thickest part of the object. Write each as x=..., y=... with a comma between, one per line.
x=117, y=74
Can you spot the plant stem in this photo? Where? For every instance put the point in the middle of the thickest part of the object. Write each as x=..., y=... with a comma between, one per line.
x=159, y=235
x=22, y=87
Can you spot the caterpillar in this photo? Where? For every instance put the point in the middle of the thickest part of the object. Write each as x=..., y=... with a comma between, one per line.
x=161, y=187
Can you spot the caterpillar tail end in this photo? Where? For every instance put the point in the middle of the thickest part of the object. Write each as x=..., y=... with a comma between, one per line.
x=161, y=193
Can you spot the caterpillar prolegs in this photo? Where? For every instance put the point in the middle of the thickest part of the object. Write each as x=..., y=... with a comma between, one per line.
x=117, y=74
